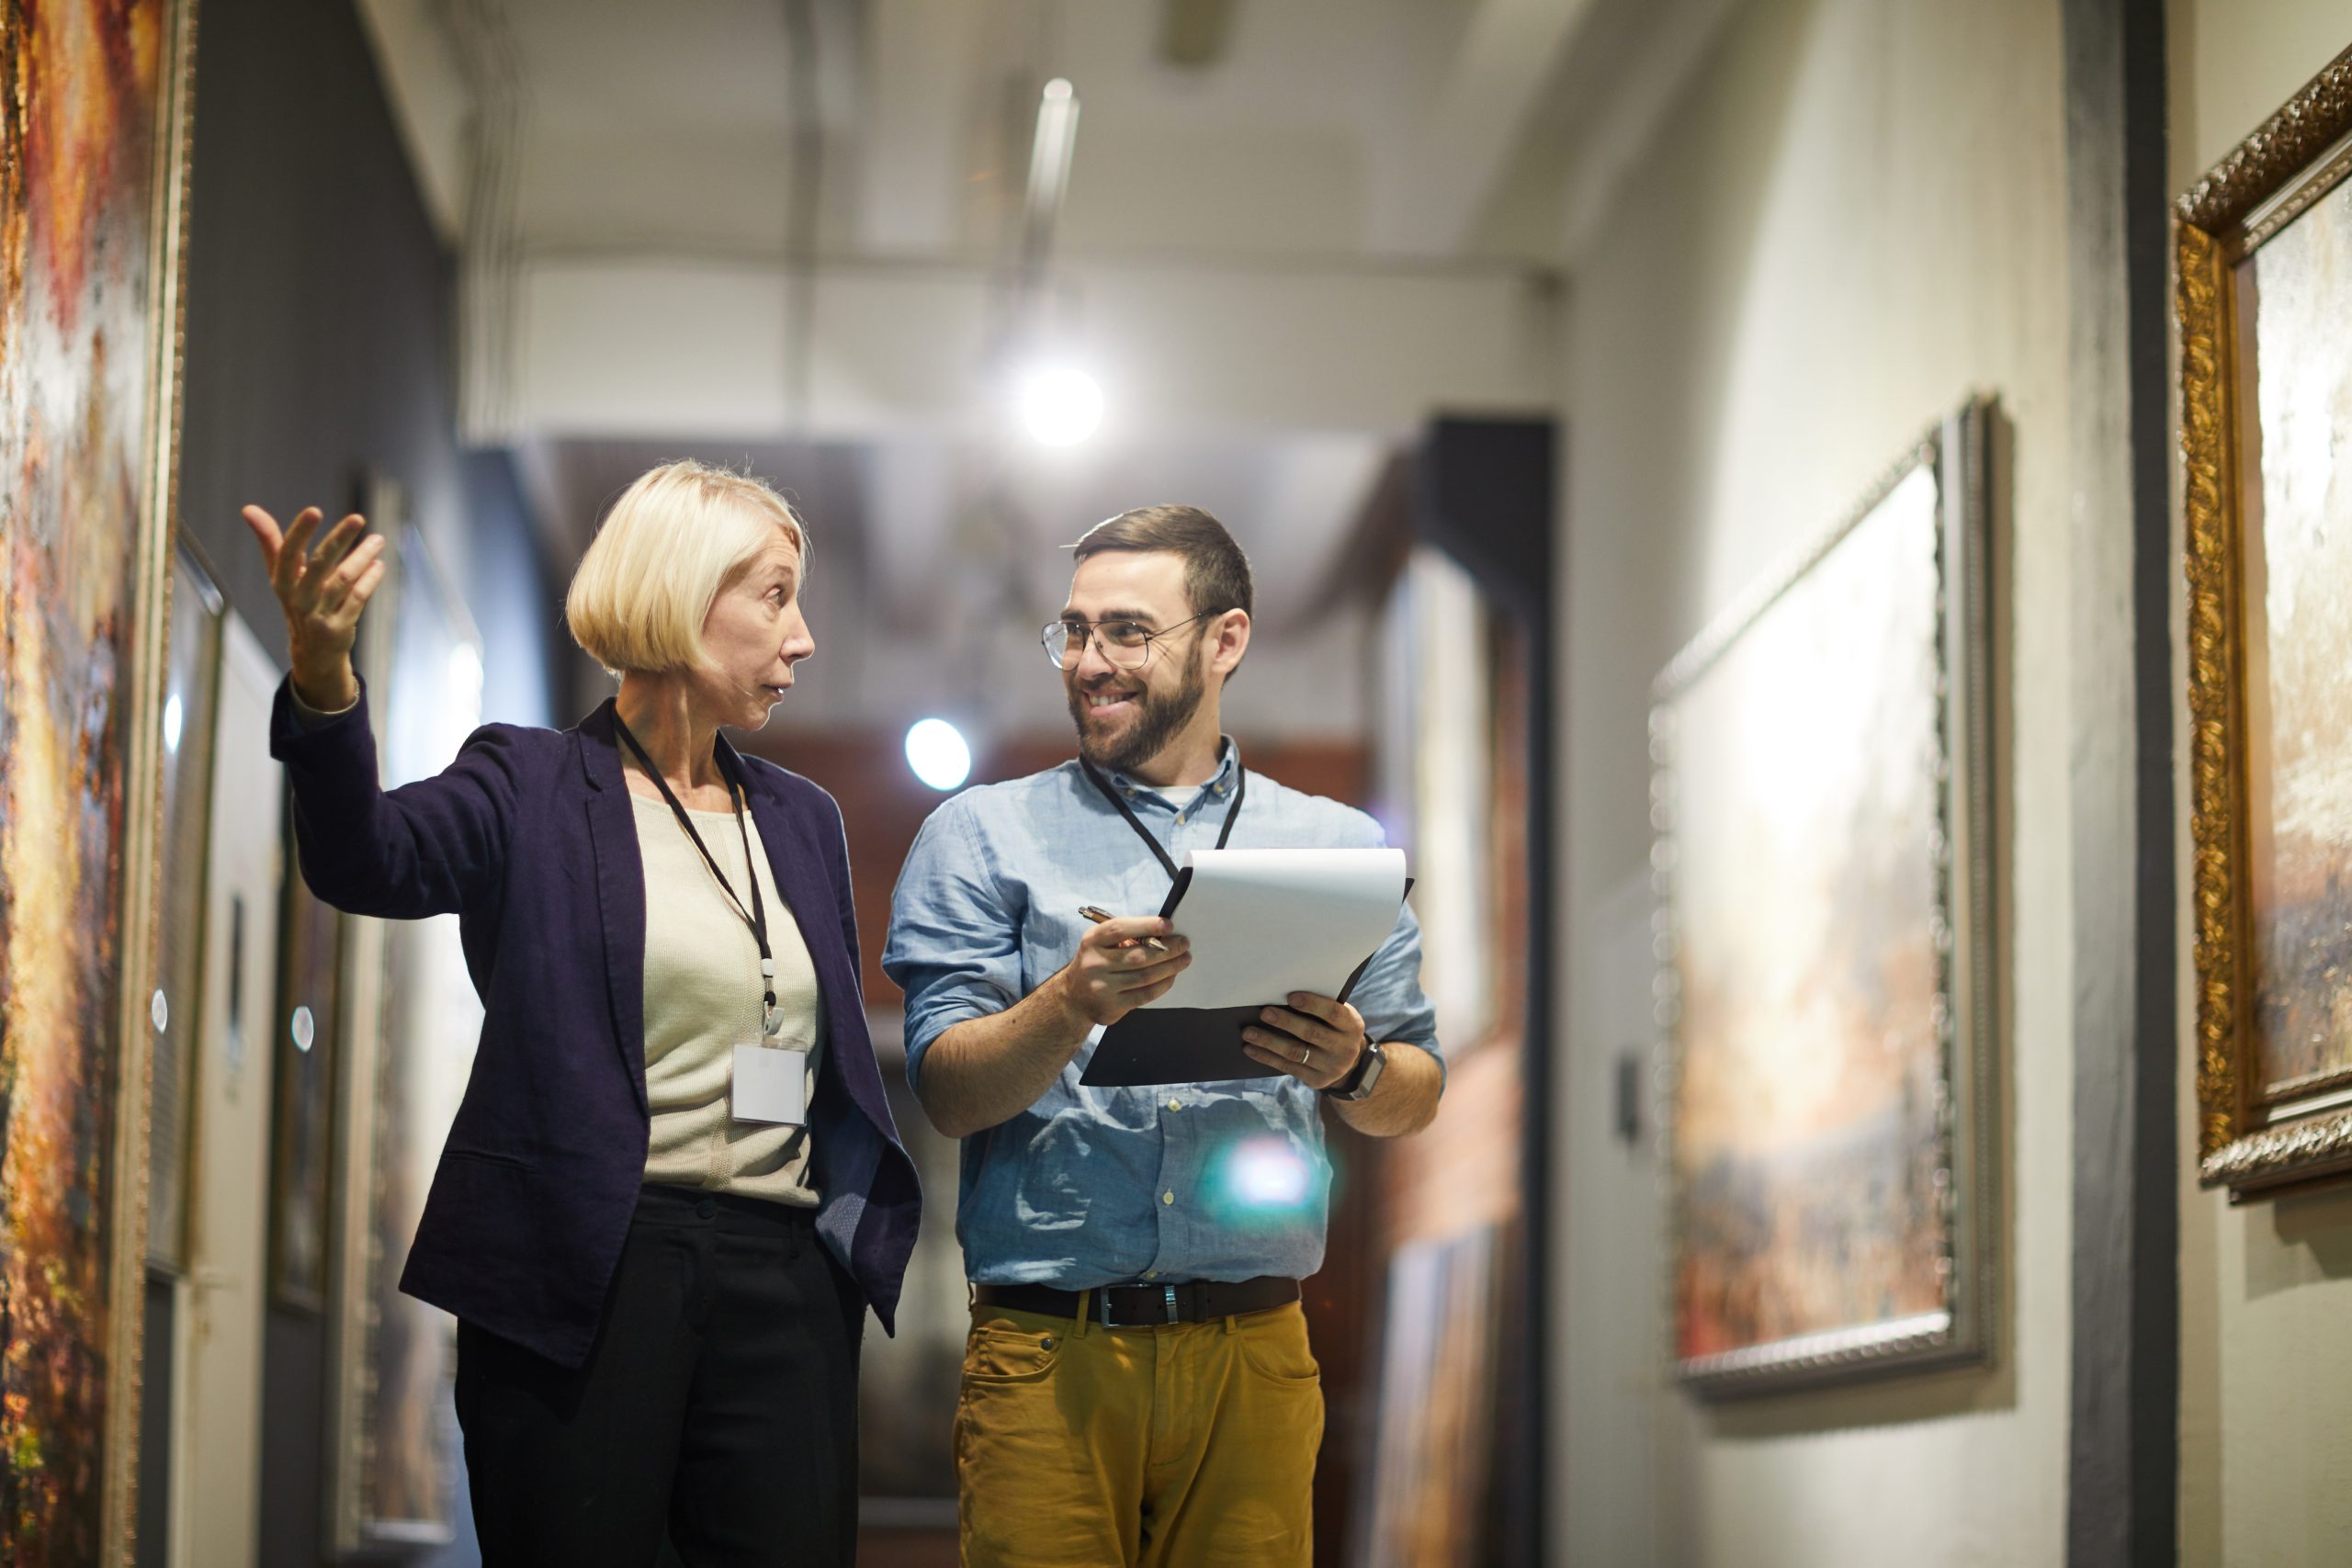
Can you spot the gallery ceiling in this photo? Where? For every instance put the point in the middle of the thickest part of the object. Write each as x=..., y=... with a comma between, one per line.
x=797, y=236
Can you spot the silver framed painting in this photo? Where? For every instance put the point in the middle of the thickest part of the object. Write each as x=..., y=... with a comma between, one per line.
x=1823, y=804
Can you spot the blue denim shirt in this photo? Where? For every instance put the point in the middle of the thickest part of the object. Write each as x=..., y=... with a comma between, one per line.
x=1089, y=1186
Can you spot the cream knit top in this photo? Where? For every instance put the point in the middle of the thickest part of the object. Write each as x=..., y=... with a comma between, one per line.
x=702, y=998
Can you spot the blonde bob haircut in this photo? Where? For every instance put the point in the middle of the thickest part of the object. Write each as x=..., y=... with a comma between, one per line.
x=673, y=540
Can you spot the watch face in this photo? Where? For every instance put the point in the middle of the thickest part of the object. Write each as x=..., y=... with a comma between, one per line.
x=1374, y=1059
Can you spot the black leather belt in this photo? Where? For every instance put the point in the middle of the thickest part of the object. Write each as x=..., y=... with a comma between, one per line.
x=1147, y=1305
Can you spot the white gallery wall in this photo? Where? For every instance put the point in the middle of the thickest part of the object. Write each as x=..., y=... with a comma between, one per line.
x=1853, y=219
x=2266, y=1468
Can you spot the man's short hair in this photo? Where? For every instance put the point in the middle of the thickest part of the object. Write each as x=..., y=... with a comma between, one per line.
x=673, y=540
x=1217, y=574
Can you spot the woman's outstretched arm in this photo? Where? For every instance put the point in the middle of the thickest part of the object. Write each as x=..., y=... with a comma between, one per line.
x=429, y=848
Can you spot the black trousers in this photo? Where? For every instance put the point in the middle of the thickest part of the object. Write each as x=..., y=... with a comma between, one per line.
x=718, y=1404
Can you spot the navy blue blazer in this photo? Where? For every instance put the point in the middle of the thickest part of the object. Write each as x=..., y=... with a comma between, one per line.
x=529, y=838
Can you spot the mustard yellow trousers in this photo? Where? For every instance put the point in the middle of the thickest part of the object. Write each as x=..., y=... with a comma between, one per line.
x=1079, y=1446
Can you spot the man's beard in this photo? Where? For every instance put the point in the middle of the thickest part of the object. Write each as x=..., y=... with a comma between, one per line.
x=1160, y=715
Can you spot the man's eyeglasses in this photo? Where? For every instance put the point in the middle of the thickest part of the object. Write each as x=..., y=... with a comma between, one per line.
x=1127, y=644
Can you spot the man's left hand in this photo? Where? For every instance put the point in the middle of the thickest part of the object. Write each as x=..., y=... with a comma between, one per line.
x=1315, y=1039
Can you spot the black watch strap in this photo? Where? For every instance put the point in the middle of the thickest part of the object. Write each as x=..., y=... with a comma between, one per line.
x=1352, y=1086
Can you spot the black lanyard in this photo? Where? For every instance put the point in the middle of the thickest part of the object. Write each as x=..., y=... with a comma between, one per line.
x=756, y=917
x=1240, y=787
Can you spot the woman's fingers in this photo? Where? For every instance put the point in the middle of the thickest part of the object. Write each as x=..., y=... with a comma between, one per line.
x=332, y=552
x=339, y=582
x=267, y=533
x=347, y=613
x=285, y=571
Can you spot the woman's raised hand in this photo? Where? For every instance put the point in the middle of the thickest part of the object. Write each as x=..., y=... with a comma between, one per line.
x=322, y=584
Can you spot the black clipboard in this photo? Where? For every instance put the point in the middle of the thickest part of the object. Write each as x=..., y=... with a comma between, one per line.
x=1165, y=1045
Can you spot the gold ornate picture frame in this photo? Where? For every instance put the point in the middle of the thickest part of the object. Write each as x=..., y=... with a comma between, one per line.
x=2264, y=249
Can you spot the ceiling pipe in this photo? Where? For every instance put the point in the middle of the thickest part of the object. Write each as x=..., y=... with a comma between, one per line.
x=1049, y=159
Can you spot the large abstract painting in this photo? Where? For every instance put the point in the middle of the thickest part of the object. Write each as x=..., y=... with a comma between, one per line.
x=1823, y=800
x=2266, y=305
x=90, y=121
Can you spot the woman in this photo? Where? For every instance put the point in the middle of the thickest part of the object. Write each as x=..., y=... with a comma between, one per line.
x=673, y=1186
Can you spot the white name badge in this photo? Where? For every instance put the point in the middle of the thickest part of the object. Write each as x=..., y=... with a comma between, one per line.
x=771, y=1085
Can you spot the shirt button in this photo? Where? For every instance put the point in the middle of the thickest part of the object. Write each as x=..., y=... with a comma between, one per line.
x=1151, y=1274
x=1168, y=1197
x=1175, y=1105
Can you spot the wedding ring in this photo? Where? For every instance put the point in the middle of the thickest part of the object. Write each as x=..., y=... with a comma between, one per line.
x=1304, y=1052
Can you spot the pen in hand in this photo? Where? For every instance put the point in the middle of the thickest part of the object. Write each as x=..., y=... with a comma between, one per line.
x=1099, y=916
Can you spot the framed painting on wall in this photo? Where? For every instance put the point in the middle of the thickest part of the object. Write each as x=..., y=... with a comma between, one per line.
x=427, y=1023
x=302, y=1136
x=907, y=1385
x=2265, y=276
x=1428, y=1496
x=1823, y=802
x=191, y=682
x=92, y=171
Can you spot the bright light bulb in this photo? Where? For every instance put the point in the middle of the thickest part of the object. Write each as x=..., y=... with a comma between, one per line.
x=938, y=752
x=1061, y=407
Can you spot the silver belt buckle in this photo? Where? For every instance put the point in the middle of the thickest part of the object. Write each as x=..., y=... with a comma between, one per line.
x=1102, y=1305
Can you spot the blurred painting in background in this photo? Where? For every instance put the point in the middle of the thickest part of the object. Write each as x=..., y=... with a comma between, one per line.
x=87, y=97
x=427, y=1025
x=1820, y=818
x=1442, y=1272
x=2299, y=648
x=1431, y=1499
x=907, y=1393
x=191, y=705
x=308, y=1037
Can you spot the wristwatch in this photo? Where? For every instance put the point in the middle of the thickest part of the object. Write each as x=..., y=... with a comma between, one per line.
x=1361, y=1078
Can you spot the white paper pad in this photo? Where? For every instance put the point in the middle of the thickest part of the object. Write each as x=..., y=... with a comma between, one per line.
x=1264, y=923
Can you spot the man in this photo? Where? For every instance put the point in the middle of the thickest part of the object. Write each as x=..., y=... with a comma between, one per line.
x=1137, y=1385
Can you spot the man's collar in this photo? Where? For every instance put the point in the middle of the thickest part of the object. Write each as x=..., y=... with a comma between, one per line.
x=1220, y=784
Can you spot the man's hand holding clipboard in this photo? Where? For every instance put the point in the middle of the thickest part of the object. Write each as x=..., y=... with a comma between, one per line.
x=1289, y=931
x=1315, y=1040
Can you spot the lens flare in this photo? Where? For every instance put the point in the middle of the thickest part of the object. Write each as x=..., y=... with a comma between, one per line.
x=1267, y=1173
x=938, y=752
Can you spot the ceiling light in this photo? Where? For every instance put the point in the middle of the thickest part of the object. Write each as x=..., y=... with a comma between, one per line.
x=1061, y=407
x=938, y=754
